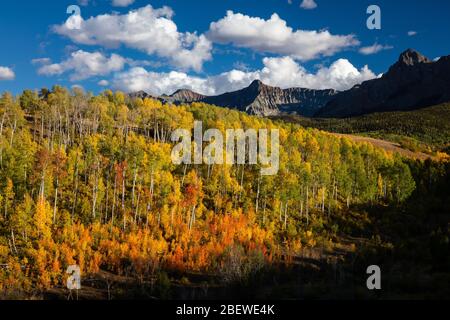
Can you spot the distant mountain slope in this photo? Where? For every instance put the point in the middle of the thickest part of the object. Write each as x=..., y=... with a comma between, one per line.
x=413, y=82
x=183, y=96
x=388, y=146
x=141, y=94
x=257, y=99
x=264, y=100
x=416, y=130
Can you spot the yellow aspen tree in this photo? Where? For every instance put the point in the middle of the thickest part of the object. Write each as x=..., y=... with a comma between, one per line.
x=43, y=219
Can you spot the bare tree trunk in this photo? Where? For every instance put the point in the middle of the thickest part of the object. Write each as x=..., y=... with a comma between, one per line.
x=281, y=211
x=75, y=195
x=94, y=195
x=307, y=205
x=42, y=127
x=285, y=215
x=184, y=174
x=114, y=201
x=301, y=209
x=42, y=188
x=2, y=123
x=323, y=200
x=136, y=213
x=13, y=238
x=242, y=182
x=134, y=184
x=123, y=190
x=257, y=195
x=56, y=201
x=13, y=131
x=264, y=211
x=152, y=188
x=192, y=219
x=107, y=194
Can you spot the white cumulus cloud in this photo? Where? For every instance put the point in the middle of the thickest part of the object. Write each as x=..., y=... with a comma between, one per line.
x=308, y=4
x=146, y=29
x=340, y=75
x=156, y=83
x=122, y=3
x=115, y=3
x=103, y=83
x=84, y=65
x=375, y=48
x=275, y=36
x=41, y=61
x=6, y=73
x=283, y=72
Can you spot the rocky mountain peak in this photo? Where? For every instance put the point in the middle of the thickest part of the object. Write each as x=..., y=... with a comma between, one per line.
x=413, y=82
x=186, y=95
x=140, y=94
x=182, y=91
x=412, y=57
x=257, y=85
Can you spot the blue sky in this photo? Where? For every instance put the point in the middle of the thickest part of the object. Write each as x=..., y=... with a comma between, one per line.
x=178, y=47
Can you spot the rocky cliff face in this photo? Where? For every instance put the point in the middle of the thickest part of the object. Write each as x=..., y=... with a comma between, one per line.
x=258, y=99
x=411, y=83
x=141, y=95
x=263, y=100
x=183, y=96
x=305, y=102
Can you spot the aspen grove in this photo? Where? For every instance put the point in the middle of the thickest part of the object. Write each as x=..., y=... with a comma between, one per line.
x=88, y=180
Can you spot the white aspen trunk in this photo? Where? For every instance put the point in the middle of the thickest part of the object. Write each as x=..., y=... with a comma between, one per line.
x=13, y=238
x=281, y=211
x=241, y=182
x=192, y=218
x=307, y=206
x=123, y=191
x=264, y=211
x=257, y=195
x=42, y=127
x=107, y=196
x=184, y=175
x=323, y=200
x=2, y=123
x=114, y=201
x=136, y=213
x=301, y=209
x=134, y=184
x=42, y=189
x=13, y=131
x=285, y=216
x=152, y=187
x=55, y=205
x=75, y=191
x=94, y=195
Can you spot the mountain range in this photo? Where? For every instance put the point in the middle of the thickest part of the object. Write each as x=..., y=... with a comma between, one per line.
x=413, y=82
x=257, y=99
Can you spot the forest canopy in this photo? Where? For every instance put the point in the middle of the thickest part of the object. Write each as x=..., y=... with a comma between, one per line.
x=88, y=180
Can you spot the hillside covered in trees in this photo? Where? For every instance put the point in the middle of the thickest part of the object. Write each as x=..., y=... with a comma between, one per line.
x=426, y=130
x=88, y=180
